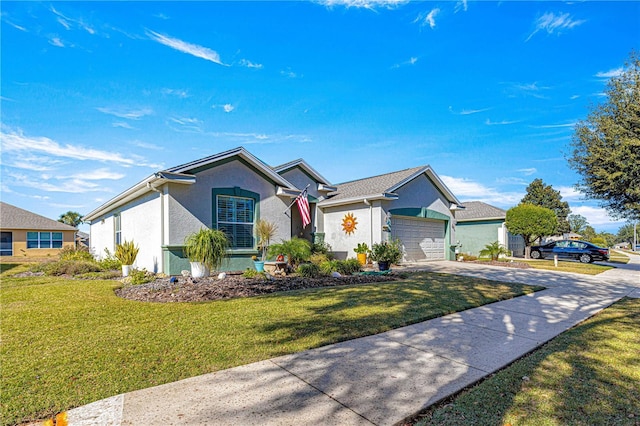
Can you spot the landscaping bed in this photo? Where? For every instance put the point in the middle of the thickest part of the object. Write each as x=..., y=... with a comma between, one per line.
x=232, y=286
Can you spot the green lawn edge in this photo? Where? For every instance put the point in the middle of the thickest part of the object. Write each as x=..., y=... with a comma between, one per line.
x=67, y=342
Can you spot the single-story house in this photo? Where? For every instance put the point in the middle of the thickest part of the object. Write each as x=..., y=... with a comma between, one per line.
x=479, y=224
x=233, y=189
x=26, y=234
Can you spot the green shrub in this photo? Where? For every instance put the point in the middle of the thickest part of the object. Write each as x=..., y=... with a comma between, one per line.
x=388, y=251
x=208, y=246
x=322, y=248
x=103, y=275
x=344, y=267
x=318, y=258
x=109, y=262
x=71, y=267
x=296, y=249
x=252, y=273
x=139, y=276
x=308, y=270
x=494, y=251
x=71, y=253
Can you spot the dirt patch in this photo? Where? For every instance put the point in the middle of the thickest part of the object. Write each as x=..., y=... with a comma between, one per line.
x=182, y=289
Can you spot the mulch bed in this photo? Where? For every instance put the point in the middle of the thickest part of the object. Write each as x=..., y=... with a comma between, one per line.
x=232, y=286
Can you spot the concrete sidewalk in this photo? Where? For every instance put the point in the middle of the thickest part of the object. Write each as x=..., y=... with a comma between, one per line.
x=379, y=379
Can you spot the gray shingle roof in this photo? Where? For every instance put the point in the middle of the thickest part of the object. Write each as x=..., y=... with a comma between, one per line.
x=373, y=185
x=477, y=210
x=12, y=217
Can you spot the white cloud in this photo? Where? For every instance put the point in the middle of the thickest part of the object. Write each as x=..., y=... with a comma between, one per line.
x=66, y=22
x=52, y=184
x=17, y=142
x=131, y=114
x=411, y=61
x=428, y=19
x=616, y=72
x=188, y=48
x=122, y=124
x=365, y=4
x=552, y=23
x=469, y=190
x=176, y=92
x=290, y=74
x=228, y=107
x=461, y=5
x=99, y=174
x=528, y=171
x=570, y=193
x=247, y=63
x=499, y=123
x=55, y=41
x=595, y=216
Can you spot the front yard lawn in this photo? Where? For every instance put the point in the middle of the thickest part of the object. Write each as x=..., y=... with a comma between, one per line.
x=67, y=342
x=589, y=375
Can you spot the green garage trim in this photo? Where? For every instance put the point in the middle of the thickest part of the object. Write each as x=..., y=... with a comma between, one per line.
x=421, y=212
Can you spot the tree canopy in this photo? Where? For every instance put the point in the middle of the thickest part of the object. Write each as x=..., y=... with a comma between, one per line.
x=540, y=194
x=71, y=218
x=605, y=149
x=532, y=222
x=577, y=223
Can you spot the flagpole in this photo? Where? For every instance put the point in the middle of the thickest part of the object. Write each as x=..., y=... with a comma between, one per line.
x=294, y=200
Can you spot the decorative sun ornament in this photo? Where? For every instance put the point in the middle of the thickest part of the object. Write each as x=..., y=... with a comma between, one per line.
x=349, y=223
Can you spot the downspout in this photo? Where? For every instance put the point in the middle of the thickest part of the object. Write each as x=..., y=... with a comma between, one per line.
x=368, y=203
x=154, y=189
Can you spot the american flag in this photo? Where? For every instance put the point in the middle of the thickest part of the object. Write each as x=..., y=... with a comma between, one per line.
x=303, y=208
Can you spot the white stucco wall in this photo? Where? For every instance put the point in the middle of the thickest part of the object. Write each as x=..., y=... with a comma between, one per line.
x=140, y=223
x=365, y=216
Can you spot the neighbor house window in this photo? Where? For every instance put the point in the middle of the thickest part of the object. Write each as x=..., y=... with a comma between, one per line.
x=6, y=244
x=37, y=240
x=235, y=219
x=117, y=236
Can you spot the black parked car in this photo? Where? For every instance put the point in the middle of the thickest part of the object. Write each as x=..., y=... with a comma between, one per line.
x=571, y=249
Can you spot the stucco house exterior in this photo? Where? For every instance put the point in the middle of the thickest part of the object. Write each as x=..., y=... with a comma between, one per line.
x=30, y=235
x=233, y=189
x=479, y=224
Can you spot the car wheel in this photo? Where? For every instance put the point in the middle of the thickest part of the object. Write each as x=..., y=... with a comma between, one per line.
x=585, y=258
x=535, y=254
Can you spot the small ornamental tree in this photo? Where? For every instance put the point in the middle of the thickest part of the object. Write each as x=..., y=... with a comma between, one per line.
x=532, y=222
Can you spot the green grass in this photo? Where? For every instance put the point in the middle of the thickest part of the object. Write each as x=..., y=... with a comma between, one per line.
x=70, y=342
x=567, y=266
x=618, y=257
x=589, y=375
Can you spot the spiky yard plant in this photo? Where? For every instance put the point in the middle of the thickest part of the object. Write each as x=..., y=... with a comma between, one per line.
x=207, y=246
x=126, y=252
x=494, y=250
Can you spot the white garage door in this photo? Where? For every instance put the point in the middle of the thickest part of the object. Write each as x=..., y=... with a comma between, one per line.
x=421, y=238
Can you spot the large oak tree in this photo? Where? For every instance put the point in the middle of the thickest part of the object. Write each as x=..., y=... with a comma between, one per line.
x=606, y=146
x=543, y=195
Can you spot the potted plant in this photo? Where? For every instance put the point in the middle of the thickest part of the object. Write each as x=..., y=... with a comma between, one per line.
x=265, y=231
x=386, y=253
x=126, y=253
x=205, y=249
x=361, y=252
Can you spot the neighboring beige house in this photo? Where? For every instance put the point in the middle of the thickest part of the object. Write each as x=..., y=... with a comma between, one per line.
x=26, y=234
x=231, y=190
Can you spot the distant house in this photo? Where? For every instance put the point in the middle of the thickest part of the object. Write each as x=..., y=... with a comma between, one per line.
x=27, y=234
x=231, y=190
x=479, y=224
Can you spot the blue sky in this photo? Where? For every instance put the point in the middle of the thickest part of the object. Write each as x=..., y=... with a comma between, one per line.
x=97, y=96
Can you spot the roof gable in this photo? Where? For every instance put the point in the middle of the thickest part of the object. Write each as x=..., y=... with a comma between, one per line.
x=12, y=217
x=305, y=167
x=477, y=210
x=384, y=186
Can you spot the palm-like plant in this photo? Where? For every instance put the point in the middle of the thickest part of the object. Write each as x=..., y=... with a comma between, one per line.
x=265, y=231
x=494, y=250
x=126, y=252
x=207, y=246
x=296, y=249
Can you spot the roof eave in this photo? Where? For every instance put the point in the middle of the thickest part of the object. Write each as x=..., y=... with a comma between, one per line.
x=386, y=196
